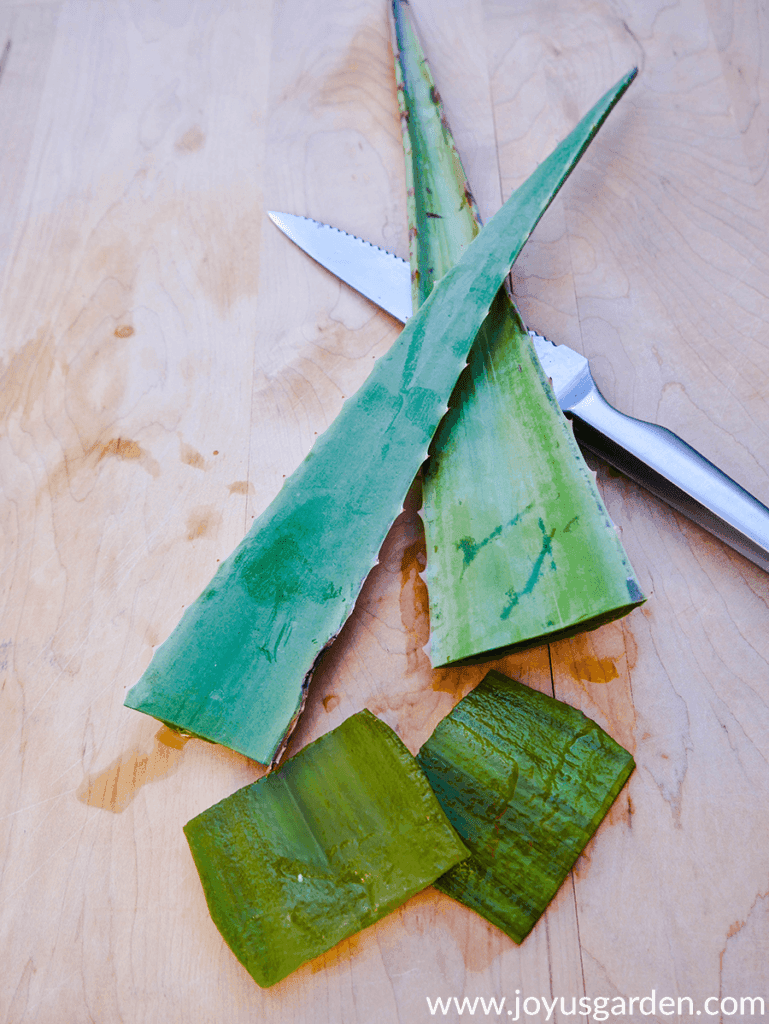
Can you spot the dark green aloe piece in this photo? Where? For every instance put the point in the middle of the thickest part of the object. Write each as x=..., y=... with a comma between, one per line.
x=520, y=548
x=525, y=780
x=340, y=835
x=236, y=668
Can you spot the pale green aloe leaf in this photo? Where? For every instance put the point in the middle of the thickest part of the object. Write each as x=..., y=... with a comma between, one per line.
x=525, y=780
x=336, y=838
x=520, y=547
x=236, y=668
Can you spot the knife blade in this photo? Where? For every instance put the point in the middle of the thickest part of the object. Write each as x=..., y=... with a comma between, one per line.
x=647, y=453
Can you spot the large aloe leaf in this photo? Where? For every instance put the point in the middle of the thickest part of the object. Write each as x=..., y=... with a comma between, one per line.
x=526, y=781
x=236, y=667
x=336, y=838
x=520, y=548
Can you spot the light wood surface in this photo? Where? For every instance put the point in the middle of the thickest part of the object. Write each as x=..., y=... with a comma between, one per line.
x=168, y=358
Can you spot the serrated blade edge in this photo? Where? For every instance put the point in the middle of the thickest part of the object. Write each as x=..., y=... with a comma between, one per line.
x=385, y=279
x=566, y=368
x=374, y=272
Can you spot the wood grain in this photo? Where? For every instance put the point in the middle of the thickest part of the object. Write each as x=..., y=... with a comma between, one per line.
x=167, y=358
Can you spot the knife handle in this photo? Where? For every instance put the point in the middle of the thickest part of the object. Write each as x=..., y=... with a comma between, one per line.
x=661, y=462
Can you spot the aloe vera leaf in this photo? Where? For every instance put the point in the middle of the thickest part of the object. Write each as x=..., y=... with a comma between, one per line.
x=520, y=547
x=442, y=214
x=236, y=668
x=525, y=780
x=336, y=838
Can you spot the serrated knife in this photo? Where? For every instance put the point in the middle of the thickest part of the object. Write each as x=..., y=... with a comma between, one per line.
x=652, y=455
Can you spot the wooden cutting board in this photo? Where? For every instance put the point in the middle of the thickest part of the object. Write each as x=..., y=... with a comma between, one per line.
x=168, y=358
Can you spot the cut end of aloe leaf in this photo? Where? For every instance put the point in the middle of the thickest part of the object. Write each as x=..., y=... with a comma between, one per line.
x=525, y=780
x=335, y=839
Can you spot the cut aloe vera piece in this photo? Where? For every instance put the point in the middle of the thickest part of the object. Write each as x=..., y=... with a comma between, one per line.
x=526, y=781
x=340, y=835
x=236, y=668
x=520, y=547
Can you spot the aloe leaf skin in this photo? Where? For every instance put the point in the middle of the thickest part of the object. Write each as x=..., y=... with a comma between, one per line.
x=520, y=547
x=340, y=835
x=236, y=668
x=442, y=214
x=525, y=780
